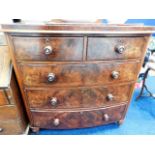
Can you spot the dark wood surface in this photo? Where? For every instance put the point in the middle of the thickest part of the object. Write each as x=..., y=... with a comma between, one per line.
x=88, y=97
x=63, y=48
x=79, y=28
x=78, y=74
x=104, y=48
x=76, y=119
x=84, y=58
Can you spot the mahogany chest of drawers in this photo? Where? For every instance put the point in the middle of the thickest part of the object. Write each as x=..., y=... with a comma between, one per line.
x=76, y=75
x=12, y=116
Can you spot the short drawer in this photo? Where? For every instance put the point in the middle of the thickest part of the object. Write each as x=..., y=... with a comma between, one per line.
x=111, y=48
x=75, y=74
x=77, y=119
x=88, y=97
x=48, y=48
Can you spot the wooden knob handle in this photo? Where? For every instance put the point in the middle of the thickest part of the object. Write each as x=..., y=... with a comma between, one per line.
x=106, y=117
x=120, y=49
x=54, y=101
x=110, y=97
x=51, y=77
x=115, y=75
x=48, y=50
x=56, y=122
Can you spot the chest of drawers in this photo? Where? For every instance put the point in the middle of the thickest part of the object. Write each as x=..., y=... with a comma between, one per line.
x=12, y=116
x=76, y=75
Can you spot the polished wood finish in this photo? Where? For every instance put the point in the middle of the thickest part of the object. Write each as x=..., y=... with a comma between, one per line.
x=76, y=119
x=76, y=75
x=63, y=48
x=78, y=29
x=105, y=48
x=88, y=97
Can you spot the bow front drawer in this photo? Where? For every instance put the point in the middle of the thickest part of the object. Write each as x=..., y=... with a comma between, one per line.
x=75, y=74
x=77, y=119
x=48, y=48
x=88, y=97
x=111, y=48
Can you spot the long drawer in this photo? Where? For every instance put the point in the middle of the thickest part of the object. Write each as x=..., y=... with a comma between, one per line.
x=77, y=119
x=48, y=48
x=111, y=48
x=75, y=74
x=87, y=97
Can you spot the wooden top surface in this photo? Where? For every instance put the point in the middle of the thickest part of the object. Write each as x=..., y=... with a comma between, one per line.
x=5, y=67
x=78, y=28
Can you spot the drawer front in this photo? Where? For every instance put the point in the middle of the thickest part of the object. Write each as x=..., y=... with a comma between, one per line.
x=78, y=74
x=8, y=113
x=3, y=98
x=81, y=119
x=107, y=48
x=89, y=97
x=11, y=128
x=53, y=48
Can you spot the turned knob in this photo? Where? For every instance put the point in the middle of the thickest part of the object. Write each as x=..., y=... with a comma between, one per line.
x=120, y=49
x=56, y=122
x=54, y=101
x=48, y=50
x=51, y=77
x=115, y=75
x=106, y=117
x=110, y=97
x=1, y=129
